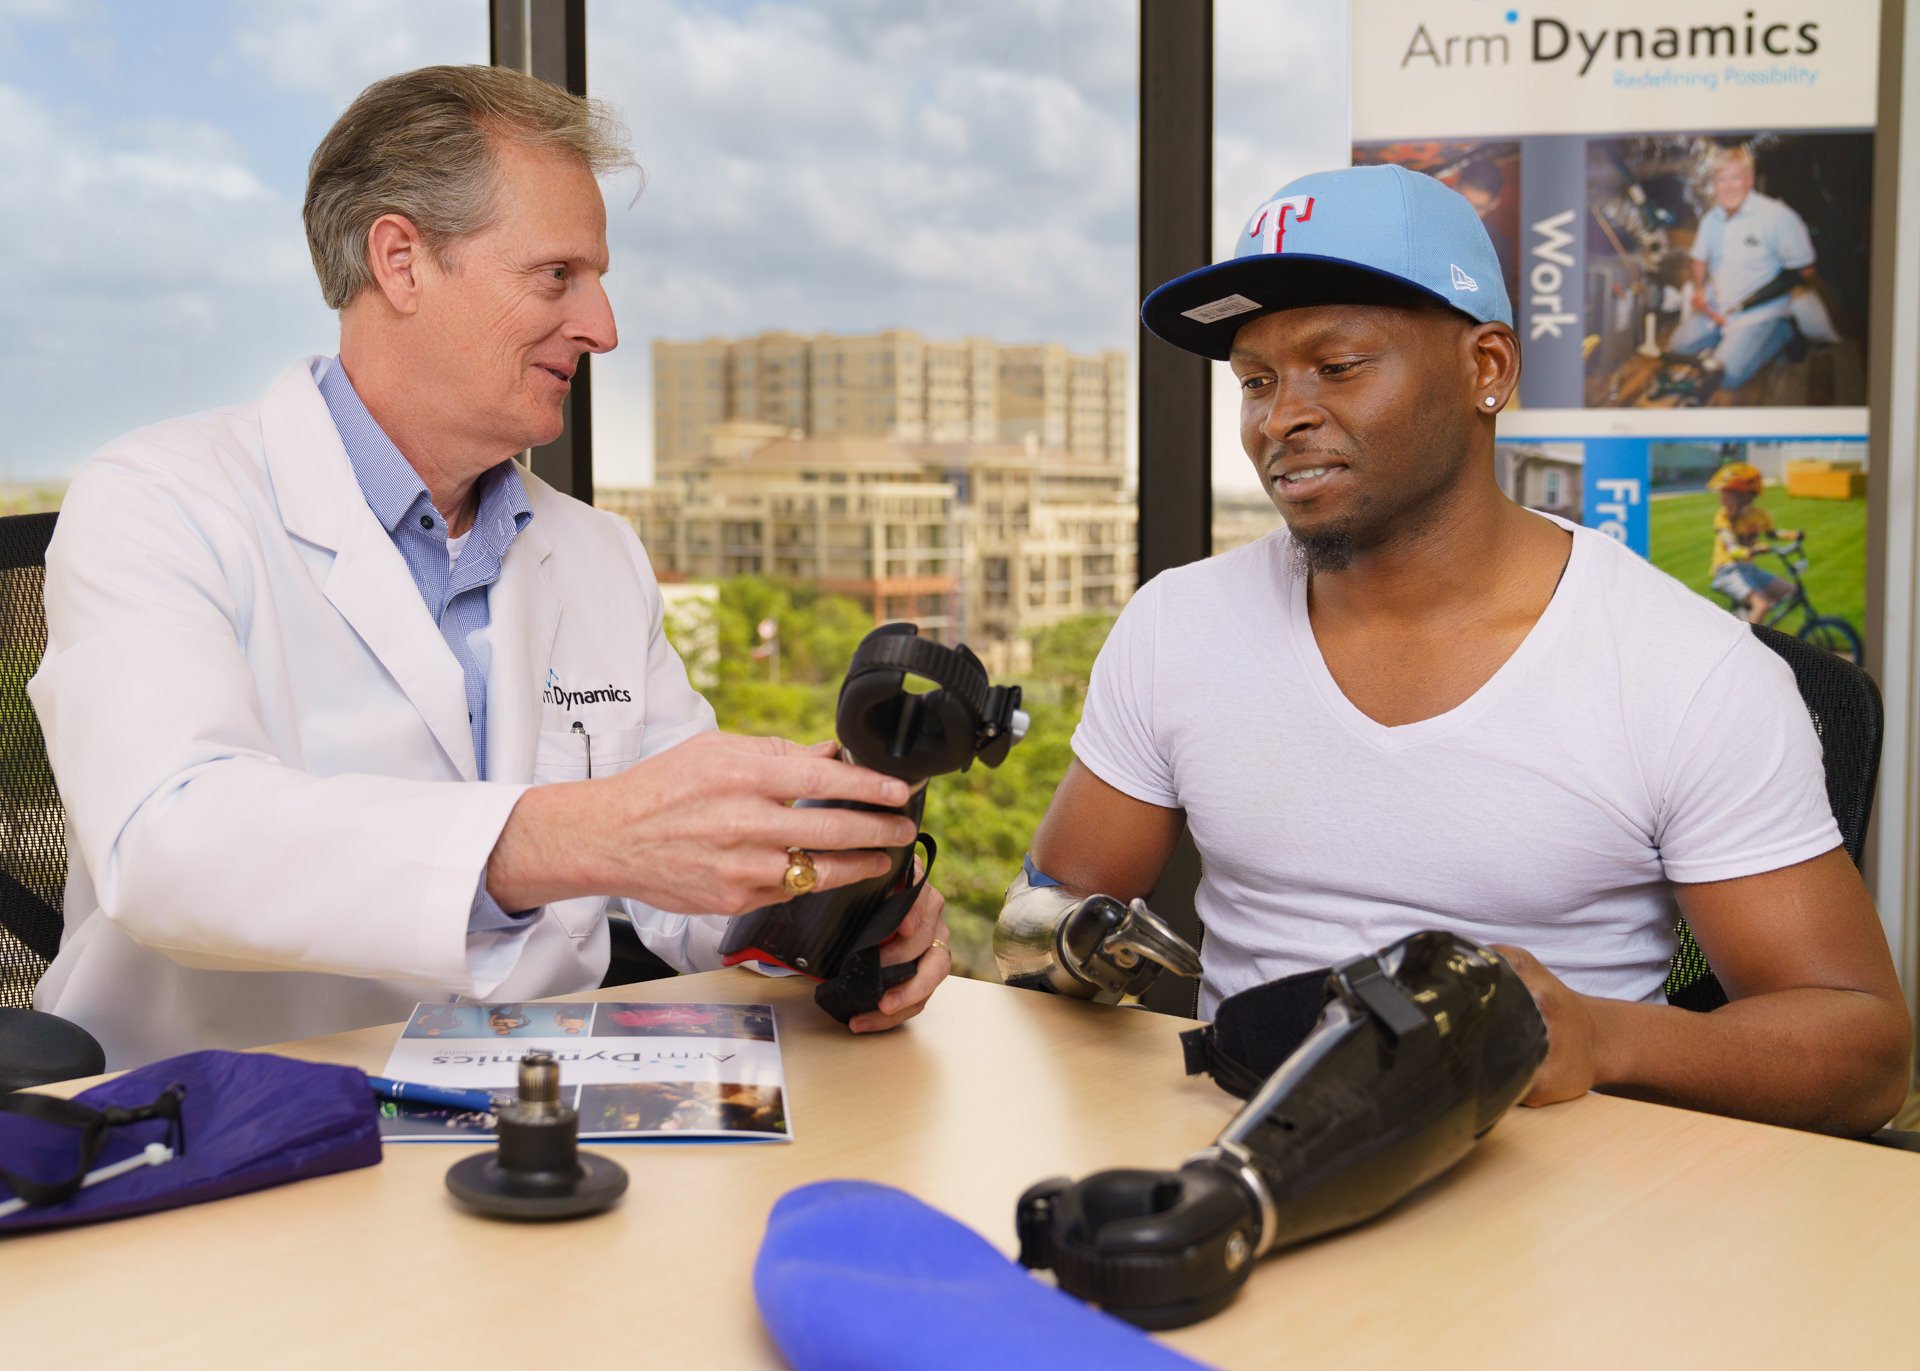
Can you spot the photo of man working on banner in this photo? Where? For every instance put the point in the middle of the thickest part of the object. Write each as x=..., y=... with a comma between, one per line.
x=1750, y=254
x=1706, y=290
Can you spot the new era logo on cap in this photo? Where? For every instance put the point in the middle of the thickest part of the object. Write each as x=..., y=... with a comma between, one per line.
x=1353, y=236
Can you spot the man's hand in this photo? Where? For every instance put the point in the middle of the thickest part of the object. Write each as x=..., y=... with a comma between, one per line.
x=1704, y=306
x=702, y=828
x=1571, y=1067
x=914, y=938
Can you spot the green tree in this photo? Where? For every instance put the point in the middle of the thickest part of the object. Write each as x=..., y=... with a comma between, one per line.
x=985, y=817
x=817, y=635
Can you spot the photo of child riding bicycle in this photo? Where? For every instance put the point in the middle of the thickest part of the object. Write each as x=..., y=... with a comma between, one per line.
x=1740, y=529
x=1773, y=530
x=1743, y=533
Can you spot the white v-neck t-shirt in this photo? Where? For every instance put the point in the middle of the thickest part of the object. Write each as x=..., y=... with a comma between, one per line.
x=1637, y=737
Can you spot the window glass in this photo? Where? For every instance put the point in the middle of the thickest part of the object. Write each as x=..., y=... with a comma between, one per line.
x=892, y=248
x=162, y=149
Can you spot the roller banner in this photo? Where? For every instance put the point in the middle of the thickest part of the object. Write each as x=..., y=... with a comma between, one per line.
x=1679, y=195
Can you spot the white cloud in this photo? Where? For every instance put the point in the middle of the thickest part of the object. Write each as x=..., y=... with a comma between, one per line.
x=846, y=164
x=153, y=275
x=865, y=164
x=338, y=48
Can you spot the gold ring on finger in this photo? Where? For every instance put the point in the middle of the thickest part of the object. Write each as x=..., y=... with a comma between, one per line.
x=942, y=945
x=802, y=875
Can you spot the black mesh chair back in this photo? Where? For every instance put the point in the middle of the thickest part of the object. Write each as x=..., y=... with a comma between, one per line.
x=1845, y=705
x=33, y=825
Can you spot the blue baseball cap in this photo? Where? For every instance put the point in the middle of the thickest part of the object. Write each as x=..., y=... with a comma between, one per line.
x=1360, y=235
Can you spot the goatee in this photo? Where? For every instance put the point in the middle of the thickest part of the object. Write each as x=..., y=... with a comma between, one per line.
x=1323, y=550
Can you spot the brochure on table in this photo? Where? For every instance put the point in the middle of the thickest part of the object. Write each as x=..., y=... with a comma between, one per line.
x=635, y=1072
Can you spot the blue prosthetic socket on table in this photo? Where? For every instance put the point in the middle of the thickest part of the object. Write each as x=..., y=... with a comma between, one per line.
x=860, y=1277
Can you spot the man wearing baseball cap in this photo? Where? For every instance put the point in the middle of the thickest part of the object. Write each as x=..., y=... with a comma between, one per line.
x=1418, y=704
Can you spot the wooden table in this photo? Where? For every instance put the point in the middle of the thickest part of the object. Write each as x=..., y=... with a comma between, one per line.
x=1602, y=1233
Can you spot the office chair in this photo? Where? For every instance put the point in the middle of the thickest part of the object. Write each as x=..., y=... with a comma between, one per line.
x=1845, y=705
x=35, y=1048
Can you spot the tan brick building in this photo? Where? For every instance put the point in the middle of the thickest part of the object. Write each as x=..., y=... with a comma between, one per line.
x=976, y=489
x=893, y=385
x=979, y=542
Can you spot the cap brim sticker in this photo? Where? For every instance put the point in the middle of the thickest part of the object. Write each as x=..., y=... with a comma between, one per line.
x=1224, y=308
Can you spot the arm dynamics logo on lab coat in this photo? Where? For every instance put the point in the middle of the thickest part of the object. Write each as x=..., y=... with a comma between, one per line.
x=556, y=694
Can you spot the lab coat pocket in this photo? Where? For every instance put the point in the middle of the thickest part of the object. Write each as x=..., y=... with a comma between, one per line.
x=564, y=755
x=567, y=755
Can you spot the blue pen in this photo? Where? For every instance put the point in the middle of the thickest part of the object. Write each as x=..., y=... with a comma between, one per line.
x=446, y=1097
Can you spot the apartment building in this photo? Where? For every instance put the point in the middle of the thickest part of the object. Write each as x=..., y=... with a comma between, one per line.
x=894, y=385
x=975, y=542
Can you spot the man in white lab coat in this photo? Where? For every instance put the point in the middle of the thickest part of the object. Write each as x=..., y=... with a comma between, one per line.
x=348, y=711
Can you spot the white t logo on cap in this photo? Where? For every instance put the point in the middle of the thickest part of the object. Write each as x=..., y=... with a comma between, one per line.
x=1270, y=220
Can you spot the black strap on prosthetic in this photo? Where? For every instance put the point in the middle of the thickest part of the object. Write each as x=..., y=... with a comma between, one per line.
x=953, y=669
x=862, y=979
x=1256, y=1030
x=895, y=647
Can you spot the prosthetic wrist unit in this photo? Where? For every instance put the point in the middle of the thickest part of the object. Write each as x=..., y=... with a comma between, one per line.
x=1090, y=947
x=1414, y=1054
x=834, y=936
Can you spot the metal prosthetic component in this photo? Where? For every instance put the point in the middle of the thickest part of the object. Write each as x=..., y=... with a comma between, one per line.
x=1088, y=947
x=1418, y=1051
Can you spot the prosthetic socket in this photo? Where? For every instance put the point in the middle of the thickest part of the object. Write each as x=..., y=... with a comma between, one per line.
x=1090, y=948
x=1416, y=1052
x=834, y=936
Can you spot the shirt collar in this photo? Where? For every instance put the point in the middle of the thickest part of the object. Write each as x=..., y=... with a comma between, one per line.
x=391, y=486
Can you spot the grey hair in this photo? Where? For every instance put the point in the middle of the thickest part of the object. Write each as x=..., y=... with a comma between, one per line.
x=422, y=145
x=1727, y=156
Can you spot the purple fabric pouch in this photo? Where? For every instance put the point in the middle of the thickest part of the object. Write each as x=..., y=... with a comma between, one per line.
x=237, y=1121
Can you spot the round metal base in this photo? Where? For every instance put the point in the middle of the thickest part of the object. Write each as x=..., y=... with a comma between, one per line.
x=479, y=1182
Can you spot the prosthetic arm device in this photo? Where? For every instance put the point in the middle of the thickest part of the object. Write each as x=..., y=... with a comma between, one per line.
x=1090, y=947
x=1783, y=283
x=834, y=936
x=1415, y=1054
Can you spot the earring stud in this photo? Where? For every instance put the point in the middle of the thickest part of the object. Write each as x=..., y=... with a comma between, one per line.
x=1491, y=400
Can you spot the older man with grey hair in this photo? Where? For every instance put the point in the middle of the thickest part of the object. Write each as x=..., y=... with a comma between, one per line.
x=348, y=710
x=1750, y=254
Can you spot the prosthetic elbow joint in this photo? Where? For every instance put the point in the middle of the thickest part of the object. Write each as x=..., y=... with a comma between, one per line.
x=1089, y=947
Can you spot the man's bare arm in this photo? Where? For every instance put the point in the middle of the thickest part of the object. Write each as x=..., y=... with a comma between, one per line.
x=1817, y=1035
x=1096, y=838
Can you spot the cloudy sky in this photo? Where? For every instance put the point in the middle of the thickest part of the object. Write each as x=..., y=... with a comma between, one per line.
x=835, y=164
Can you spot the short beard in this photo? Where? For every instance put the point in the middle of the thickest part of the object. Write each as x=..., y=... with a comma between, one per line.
x=1326, y=550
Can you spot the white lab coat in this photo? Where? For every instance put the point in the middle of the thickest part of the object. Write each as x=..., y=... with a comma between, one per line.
x=274, y=824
